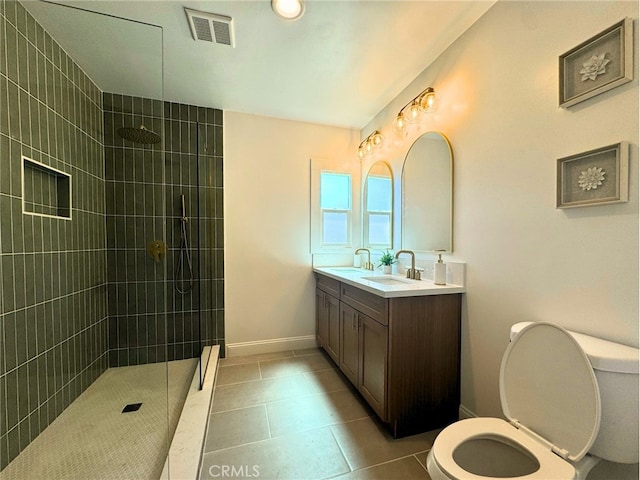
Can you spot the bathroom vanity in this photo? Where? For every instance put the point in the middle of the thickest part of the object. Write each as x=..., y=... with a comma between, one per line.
x=397, y=341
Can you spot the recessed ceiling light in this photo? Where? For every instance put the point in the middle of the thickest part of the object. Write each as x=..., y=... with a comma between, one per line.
x=288, y=9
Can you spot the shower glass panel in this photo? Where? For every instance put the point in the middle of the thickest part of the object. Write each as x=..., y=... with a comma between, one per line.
x=210, y=234
x=191, y=202
x=85, y=295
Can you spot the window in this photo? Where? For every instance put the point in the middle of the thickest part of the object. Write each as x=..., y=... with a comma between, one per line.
x=378, y=208
x=335, y=188
x=335, y=206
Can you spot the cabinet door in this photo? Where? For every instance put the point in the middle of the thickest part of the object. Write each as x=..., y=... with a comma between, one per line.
x=349, y=342
x=322, y=319
x=373, y=364
x=333, y=320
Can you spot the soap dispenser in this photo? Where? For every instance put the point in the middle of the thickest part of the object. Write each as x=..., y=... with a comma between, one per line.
x=440, y=271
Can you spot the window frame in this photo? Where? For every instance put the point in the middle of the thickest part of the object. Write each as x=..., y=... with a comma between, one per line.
x=351, y=168
x=366, y=213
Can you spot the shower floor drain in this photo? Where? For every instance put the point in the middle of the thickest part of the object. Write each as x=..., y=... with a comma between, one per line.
x=132, y=407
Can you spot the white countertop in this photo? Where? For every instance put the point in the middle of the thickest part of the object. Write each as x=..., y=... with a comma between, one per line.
x=387, y=285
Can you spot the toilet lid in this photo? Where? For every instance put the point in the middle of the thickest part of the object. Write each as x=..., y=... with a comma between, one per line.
x=548, y=387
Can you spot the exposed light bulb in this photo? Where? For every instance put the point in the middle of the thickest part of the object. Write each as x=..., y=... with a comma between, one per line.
x=429, y=102
x=414, y=112
x=426, y=101
x=399, y=123
x=368, y=145
x=288, y=9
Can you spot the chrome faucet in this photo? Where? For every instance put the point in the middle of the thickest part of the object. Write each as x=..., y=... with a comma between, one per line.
x=367, y=265
x=412, y=272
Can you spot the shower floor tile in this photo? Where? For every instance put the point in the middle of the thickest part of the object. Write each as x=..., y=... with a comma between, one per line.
x=93, y=439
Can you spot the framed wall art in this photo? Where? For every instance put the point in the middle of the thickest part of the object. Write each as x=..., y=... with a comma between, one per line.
x=597, y=65
x=595, y=177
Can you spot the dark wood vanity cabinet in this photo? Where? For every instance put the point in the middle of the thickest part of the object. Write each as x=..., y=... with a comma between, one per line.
x=372, y=366
x=349, y=343
x=402, y=354
x=363, y=356
x=327, y=317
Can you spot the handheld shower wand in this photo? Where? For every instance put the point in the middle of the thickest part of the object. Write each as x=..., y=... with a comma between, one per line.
x=184, y=285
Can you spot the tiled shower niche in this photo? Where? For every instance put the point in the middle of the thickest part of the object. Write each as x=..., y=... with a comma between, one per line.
x=53, y=303
x=136, y=206
x=45, y=190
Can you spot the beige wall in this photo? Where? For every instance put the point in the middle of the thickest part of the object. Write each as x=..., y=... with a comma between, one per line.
x=527, y=260
x=269, y=287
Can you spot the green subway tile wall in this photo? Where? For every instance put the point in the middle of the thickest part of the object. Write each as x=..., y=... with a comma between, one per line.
x=54, y=322
x=136, y=184
x=80, y=295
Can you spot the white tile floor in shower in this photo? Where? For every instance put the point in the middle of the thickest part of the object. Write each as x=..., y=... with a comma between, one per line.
x=92, y=439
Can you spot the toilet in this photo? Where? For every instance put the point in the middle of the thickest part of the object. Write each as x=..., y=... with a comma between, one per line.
x=569, y=400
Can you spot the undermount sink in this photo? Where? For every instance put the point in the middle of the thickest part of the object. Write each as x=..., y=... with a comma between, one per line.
x=387, y=280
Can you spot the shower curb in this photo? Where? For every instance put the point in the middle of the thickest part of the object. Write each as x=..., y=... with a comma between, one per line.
x=185, y=452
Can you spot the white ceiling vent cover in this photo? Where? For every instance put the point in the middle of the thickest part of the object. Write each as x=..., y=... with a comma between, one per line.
x=210, y=27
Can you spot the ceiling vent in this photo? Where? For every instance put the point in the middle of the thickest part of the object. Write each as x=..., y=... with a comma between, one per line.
x=210, y=27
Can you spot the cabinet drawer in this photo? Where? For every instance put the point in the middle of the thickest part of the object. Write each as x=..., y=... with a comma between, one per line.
x=328, y=284
x=372, y=305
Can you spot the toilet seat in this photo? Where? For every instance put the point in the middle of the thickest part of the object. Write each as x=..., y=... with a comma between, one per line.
x=549, y=388
x=552, y=467
x=550, y=396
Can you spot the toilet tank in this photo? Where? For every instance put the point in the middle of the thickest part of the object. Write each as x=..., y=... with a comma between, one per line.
x=616, y=370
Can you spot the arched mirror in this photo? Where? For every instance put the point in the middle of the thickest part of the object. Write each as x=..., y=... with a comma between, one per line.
x=378, y=207
x=427, y=194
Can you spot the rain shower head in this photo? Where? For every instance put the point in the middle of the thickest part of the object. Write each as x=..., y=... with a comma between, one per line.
x=139, y=135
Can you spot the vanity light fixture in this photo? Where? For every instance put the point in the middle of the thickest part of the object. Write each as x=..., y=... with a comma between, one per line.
x=425, y=102
x=368, y=144
x=288, y=9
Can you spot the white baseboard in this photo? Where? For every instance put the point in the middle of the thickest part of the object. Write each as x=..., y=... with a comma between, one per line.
x=271, y=345
x=464, y=412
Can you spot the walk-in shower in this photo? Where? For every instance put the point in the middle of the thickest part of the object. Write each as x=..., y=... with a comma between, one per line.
x=95, y=339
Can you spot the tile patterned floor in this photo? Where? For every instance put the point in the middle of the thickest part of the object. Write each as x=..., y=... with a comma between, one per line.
x=92, y=439
x=293, y=415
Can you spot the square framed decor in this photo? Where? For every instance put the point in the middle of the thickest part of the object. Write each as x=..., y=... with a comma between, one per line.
x=595, y=177
x=597, y=65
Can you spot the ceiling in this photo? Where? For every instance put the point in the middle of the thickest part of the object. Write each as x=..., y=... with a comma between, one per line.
x=340, y=64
